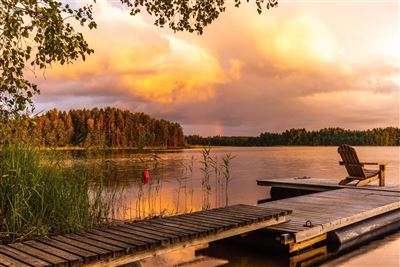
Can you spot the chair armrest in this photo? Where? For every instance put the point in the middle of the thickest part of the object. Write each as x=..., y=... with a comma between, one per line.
x=361, y=164
x=374, y=163
x=351, y=164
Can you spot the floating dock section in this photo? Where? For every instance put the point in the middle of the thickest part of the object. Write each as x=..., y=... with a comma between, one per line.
x=324, y=212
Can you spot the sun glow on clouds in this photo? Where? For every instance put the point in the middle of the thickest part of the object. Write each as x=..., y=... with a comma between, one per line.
x=186, y=73
x=275, y=71
x=144, y=63
x=295, y=42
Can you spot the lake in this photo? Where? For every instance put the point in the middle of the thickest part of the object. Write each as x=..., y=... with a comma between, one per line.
x=182, y=181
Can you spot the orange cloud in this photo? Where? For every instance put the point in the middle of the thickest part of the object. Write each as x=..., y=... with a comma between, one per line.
x=296, y=43
x=143, y=62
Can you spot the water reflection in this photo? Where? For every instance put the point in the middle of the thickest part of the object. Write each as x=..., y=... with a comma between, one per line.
x=383, y=252
x=176, y=188
x=173, y=189
x=238, y=252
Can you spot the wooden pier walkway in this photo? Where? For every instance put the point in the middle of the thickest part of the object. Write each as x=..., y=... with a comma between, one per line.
x=126, y=243
x=319, y=213
x=330, y=207
x=318, y=184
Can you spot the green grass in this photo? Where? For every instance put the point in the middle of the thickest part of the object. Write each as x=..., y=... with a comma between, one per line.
x=41, y=196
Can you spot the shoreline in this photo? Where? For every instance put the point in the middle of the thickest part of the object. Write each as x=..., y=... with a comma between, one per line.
x=169, y=149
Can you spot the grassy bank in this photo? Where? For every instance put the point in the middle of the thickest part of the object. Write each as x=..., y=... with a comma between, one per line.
x=40, y=196
x=77, y=148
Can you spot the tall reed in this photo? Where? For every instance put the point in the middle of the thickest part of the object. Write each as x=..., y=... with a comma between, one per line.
x=206, y=170
x=226, y=173
x=214, y=162
x=40, y=196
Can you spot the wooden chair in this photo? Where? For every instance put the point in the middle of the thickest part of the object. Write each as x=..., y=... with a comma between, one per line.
x=356, y=170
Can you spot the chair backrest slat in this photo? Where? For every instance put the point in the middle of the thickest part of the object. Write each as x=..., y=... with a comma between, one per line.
x=351, y=161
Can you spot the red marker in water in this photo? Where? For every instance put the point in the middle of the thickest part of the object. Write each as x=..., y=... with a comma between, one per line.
x=146, y=176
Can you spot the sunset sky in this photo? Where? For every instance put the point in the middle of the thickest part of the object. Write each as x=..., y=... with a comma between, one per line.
x=305, y=64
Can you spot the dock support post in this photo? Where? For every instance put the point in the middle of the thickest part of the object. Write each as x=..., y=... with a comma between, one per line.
x=382, y=175
x=296, y=246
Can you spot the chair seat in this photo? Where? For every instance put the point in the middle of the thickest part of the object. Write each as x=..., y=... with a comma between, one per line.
x=370, y=173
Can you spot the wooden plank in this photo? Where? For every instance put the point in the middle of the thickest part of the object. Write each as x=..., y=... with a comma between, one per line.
x=195, y=225
x=352, y=197
x=23, y=257
x=348, y=210
x=102, y=253
x=140, y=245
x=72, y=258
x=151, y=242
x=162, y=228
x=8, y=261
x=127, y=247
x=185, y=225
x=351, y=207
x=171, y=227
x=195, y=216
x=262, y=215
x=331, y=213
x=247, y=212
x=354, y=202
x=86, y=255
x=210, y=219
x=214, y=217
x=40, y=254
x=197, y=221
x=166, y=238
x=241, y=218
x=268, y=211
x=347, y=193
x=116, y=251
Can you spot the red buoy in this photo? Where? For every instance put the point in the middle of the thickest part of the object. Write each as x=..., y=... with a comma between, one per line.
x=146, y=176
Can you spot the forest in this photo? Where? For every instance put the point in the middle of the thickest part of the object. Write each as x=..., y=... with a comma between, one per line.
x=389, y=136
x=115, y=128
x=108, y=127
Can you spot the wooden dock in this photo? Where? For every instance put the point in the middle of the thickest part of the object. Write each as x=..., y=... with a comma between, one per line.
x=125, y=243
x=318, y=184
x=330, y=207
x=299, y=222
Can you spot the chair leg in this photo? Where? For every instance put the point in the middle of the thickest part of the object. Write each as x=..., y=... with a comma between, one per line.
x=381, y=175
x=345, y=181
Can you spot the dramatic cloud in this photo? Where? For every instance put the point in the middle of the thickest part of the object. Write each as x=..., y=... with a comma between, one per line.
x=291, y=67
x=134, y=60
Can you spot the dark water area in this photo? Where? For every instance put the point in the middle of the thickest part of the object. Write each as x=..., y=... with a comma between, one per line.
x=177, y=185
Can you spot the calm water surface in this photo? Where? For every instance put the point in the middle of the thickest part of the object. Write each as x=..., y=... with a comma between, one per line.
x=175, y=187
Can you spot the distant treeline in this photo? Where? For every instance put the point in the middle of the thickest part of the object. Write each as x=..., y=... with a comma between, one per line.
x=389, y=136
x=109, y=127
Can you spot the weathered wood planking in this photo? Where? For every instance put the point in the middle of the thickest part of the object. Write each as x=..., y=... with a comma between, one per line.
x=120, y=244
x=331, y=210
x=319, y=184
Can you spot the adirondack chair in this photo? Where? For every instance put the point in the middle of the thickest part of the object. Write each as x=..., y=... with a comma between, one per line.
x=356, y=169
